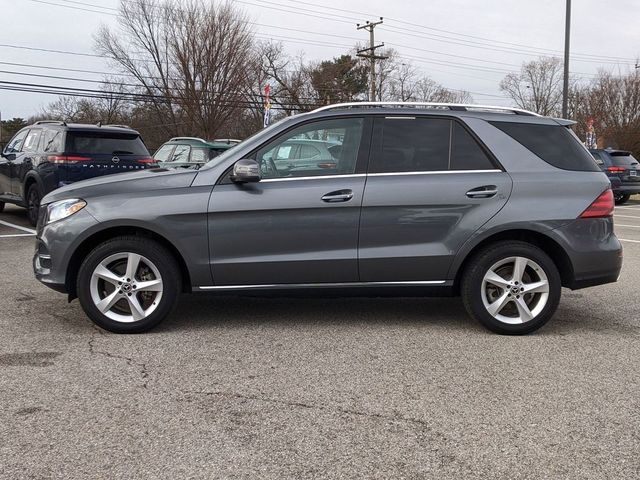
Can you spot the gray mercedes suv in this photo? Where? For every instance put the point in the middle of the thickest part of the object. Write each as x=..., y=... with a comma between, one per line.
x=500, y=206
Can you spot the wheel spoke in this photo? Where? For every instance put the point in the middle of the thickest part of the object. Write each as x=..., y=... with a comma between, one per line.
x=519, y=266
x=107, y=302
x=536, y=287
x=494, y=278
x=133, y=260
x=523, y=310
x=104, y=273
x=149, y=286
x=137, y=311
x=496, y=307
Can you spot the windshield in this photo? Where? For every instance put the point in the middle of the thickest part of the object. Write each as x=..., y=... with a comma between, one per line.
x=227, y=153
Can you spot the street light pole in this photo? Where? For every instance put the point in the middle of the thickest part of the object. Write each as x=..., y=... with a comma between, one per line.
x=567, y=39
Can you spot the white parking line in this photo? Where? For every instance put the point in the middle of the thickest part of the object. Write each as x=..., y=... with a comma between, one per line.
x=626, y=240
x=626, y=216
x=630, y=207
x=18, y=235
x=18, y=227
x=627, y=226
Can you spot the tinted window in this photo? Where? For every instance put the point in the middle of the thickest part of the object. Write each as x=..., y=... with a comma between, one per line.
x=466, y=154
x=52, y=141
x=32, y=140
x=162, y=154
x=598, y=158
x=15, y=145
x=181, y=153
x=284, y=158
x=555, y=145
x=308, y=151
x=105, y=143
x=622, y=159
x=413, y=145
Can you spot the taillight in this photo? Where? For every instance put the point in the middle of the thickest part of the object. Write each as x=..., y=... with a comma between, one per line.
x=67, y=158
x=601, y=207
x=147, y=160
x=616, y=169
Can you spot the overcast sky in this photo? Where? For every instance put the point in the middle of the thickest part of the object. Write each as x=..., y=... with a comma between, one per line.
x=496, y=36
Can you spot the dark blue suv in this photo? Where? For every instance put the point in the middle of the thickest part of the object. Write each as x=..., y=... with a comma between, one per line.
x=50, y=154
x=623, y=171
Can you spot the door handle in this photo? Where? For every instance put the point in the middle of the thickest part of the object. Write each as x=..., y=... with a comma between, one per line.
x=486, y=191
x=338, y=196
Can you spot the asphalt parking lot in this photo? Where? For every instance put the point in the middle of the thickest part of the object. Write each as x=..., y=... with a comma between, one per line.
x=318, y=388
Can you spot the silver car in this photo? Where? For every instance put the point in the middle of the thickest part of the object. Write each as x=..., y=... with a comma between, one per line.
x=500, y=206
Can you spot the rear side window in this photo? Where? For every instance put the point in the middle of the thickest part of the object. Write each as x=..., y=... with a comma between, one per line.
x=105, y=143
x=199, y=155
x=466, y=154
x=412, y=145
x=554, y=144
x=181, y=154
x=52, y=141
x=622, y=159
x=162, y=155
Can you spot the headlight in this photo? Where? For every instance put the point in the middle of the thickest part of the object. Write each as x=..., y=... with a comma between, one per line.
x=63, y=209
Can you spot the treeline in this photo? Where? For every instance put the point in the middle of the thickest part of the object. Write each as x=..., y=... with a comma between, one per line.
x=198, y=69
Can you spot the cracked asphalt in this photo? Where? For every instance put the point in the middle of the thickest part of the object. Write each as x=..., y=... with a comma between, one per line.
x=235, y=388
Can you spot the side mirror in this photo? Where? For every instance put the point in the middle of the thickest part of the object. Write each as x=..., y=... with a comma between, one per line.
x=246, y=171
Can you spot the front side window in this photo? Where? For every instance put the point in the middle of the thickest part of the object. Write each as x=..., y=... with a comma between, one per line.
x=181, y=154
x=162, y=154
x=412, y=145
x=32, y=140
x=15, y=145
x=309, y=150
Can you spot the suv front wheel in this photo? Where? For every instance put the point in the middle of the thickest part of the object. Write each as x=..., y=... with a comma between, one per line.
x=128, y=284
x=511, y=287
x=33, y=203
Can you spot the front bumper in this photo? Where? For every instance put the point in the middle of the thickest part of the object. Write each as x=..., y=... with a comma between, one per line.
x=55, y=244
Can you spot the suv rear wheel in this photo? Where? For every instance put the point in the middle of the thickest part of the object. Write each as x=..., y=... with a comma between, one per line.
x=128, y=284
x=512, y=288
x=621, y=198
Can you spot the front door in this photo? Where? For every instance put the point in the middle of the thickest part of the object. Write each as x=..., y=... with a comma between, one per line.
x=430, y=186
x=10, y=154
x=299, y=224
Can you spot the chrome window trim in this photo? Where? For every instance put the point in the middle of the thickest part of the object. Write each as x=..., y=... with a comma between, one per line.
x=385, y=174
x=317, y=177
x=311, y=285
x=434, y=172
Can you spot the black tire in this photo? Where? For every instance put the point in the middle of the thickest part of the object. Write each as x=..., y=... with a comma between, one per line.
x=150, y=250
x=473, y=293
x=621, y=198
x=33, y=203
x=1, y=207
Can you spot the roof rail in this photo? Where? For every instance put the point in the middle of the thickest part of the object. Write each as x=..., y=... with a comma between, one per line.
x=53, y=122
x=433, y=105
x=227, y=140
x=187, y=138
x=115, y=125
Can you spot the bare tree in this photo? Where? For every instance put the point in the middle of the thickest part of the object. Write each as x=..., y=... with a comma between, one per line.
x=538, y=86
x=189, y=59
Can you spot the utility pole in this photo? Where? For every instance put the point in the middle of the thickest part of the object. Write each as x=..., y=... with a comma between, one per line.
x=370, y=53
x=567, y=38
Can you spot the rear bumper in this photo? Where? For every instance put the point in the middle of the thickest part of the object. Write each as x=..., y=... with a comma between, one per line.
x=594, y=251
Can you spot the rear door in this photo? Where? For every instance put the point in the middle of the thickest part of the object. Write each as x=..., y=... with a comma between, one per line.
x=300, y=223
x=430, y=185
x=93, y=153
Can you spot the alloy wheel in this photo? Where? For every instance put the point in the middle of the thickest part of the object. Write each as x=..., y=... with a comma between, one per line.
x=515, y=290
x=126, y=287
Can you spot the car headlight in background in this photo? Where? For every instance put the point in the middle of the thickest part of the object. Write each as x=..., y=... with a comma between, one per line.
x=63, y=209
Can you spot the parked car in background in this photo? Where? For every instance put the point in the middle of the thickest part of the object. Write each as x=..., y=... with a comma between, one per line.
x=500, y=206
x=50, y=154
x=623, y=171
x=303, y=154
x=190, y=152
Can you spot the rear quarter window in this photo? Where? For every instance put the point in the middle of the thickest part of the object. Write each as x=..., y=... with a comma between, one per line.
x=105, y=143
x=554, y=144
